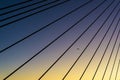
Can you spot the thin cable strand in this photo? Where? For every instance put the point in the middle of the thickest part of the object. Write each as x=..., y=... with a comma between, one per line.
x=111, y=55
x=100, y=44
x=29, y=10
x=11, y=11
x=114, y=62
x=88, y=43
x=33, y=13
x=13, y=5
x=117, y=70
x=51, y=43
x=103, y=55
x=63, y=53
x=44, y=27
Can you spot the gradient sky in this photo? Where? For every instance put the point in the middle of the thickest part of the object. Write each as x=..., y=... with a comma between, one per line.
x=18, y=54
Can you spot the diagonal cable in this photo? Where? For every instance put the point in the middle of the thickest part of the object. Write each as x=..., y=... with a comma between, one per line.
x=52, y=43
x=52, y=2
x=117, y=70
x=46, y=26
x=13, y=5
x=11, y=11
x=88, y=43
x=33, y=13
x=114, y=61
x=111, y=54
x=99, y=45
x=103, y=54
x=68, y=49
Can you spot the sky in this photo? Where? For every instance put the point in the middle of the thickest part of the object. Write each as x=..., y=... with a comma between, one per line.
x=18, y=54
